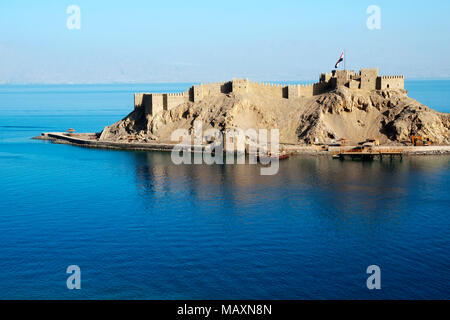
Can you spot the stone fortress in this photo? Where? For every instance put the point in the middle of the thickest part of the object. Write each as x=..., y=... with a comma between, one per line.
x=366, y=79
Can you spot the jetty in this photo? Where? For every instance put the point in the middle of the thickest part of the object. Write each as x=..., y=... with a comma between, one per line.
x=91, y=140
x=367, y=153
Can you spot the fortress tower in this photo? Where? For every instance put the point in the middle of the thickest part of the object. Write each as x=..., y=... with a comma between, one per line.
x=369, y=79
x=239, y=85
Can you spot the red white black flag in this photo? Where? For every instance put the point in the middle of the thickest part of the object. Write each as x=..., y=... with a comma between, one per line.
x=341, y=58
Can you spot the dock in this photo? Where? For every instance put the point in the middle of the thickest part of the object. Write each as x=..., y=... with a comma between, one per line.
x=91, y=140
x=365, y=154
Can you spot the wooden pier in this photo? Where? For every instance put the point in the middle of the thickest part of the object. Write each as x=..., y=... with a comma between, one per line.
x=367, y=154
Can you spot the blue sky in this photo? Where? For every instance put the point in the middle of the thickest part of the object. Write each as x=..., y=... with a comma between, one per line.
x=185, y=41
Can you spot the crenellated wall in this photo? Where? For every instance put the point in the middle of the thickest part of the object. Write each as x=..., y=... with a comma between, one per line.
x=173, y=100
x=290, y=91
x=367, y=79
x=157, y=102
x=390, y=82
x=203, y=90
x=266, y=88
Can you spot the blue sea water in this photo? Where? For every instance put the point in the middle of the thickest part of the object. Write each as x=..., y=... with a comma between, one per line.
x=141, y=227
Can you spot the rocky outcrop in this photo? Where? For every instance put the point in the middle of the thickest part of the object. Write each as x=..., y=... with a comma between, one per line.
x=388, y=115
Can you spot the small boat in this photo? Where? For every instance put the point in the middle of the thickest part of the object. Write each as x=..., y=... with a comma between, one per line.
x=336, y=156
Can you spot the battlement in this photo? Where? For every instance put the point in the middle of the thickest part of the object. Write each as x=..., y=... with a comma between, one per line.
x=366, y=79
x=368, y=70
x=390, y=82
x=392, y=77
x=265, y=84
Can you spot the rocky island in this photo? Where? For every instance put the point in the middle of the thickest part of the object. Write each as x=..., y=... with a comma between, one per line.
x=343, y=105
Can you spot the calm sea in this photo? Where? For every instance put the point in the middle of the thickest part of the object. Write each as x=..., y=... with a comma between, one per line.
x=141, y=227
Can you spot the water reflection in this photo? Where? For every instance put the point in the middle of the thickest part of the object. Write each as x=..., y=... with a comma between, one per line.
x=335, y=189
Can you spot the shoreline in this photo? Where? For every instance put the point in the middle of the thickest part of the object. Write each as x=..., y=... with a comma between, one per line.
x=89, y=140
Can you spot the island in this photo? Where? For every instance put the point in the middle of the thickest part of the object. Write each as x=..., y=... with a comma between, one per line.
x=343, y=109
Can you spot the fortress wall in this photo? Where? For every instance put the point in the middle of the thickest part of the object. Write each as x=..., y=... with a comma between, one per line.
x=272, y=89
x=138, y=100
x=157, y=102
x=342, y=77
x=216, y=88
x=306, y=90
x=320, y=87
x=227, y=87
x=285, y=91
x=325, y=77
x=147, y=103
x=353, y=84
x=153, y=103
x=187, y=94
x=293, y=91
x=390, y=82
x=191, y=93
x=332, y=83
x=369, y=79
x=173, y=100
x=211, y=89
x=197, y=93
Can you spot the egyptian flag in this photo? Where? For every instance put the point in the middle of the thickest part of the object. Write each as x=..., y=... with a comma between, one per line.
x=341, y=58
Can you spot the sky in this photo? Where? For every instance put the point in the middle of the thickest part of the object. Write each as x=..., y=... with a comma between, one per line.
x=137, y=41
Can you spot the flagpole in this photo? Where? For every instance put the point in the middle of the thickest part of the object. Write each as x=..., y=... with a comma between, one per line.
x=345, y=59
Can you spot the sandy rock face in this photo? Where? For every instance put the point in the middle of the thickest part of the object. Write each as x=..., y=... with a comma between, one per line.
x=389, y=115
